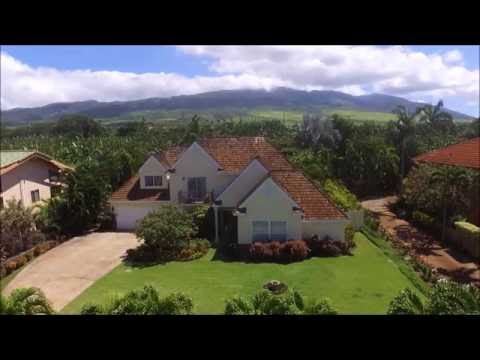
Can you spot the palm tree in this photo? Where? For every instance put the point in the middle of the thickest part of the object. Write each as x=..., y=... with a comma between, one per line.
x=25, y=301
x=405, y=128
x=435, y=116
x=451, y=181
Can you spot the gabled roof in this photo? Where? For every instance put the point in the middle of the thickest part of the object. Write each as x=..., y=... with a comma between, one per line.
x=315, y=204
x=11, y=159
x=131, y=191
x=233, y=154
x=464, y=154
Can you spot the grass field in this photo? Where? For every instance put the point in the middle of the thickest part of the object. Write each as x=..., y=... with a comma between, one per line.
x=359, y=115
x=361, y=284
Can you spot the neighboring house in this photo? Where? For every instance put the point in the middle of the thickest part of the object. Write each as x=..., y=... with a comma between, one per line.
x=28, y=176
x=465, y=154
x=256, y=194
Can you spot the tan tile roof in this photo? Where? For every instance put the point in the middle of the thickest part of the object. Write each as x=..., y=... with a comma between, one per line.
x=465, y=154
x=131, y=191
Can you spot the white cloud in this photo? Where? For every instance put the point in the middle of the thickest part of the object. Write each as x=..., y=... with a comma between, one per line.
x=453, y=56
x=357, y=70
x=395, y=70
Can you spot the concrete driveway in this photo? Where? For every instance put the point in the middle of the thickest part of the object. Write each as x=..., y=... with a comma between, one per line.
x=66, y=271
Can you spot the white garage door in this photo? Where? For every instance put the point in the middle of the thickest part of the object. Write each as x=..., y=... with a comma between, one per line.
x=128, y=215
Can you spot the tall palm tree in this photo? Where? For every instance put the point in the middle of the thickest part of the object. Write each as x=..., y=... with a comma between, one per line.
x=451, y=181
x=405, y=129
x=435, y=116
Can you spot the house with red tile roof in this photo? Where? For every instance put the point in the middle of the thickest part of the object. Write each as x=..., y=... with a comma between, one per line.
x=255, y=193
x=465, y=154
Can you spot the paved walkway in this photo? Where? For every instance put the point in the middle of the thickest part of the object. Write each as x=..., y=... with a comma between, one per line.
x=447, y=261
x=66, y=271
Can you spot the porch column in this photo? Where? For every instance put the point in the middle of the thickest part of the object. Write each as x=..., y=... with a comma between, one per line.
x=215, y=211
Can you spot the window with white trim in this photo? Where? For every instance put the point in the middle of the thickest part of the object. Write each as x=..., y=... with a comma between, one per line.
x=260, y=231
x=35, y=194
x=278, y=230
x=151, y=181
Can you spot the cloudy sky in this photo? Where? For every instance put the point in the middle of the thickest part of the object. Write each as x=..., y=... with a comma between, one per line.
x=39, y=75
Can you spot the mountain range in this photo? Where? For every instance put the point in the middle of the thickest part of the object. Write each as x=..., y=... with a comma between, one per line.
x=279, y=98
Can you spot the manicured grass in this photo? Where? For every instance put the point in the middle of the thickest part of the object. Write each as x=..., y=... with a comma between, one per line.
x=360, y=284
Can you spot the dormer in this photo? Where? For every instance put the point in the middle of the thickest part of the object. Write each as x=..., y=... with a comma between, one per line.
x=153, y=174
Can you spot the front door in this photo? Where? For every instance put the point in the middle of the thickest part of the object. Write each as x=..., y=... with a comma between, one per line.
x=197, y=188
x=228, y=227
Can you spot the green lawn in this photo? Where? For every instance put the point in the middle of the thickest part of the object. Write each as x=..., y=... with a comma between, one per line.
x=360, y=115
x=360, y=284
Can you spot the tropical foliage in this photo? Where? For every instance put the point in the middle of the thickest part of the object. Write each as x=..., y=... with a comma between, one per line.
x=25, y=301
x=18, y=230
x=445, y=298
x=146, y=301
x=266, y=302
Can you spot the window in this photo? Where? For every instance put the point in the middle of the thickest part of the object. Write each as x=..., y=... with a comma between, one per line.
x=197, y=188
x=260, y=230
x=278, y=230
x=35, y=195
x=153, y=181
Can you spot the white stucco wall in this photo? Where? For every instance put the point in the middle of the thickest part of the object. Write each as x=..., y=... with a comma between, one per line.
x=243, y=184
x=19, y=182
x=333, y=228
x=152, y=167
x=195, y=162
x=268, y=203
x=127, y=214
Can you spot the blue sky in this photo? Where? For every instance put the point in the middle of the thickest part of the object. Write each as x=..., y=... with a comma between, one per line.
x=37, y=75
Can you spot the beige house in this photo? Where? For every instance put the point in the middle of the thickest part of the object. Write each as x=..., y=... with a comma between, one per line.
x=28, y=176
x=256, y=194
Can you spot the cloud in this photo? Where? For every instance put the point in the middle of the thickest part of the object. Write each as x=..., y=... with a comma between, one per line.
x=26, y=86
x=394, y=70
x=453, y=56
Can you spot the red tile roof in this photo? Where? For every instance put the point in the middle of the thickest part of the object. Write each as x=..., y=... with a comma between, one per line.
x=314, y=203
x=465, y=154
x=234, y=154
x=131, y=191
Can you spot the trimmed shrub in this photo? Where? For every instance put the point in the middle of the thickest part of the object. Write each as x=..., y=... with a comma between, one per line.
x=10, y=266
x=325, y=247
x=295, y=250
x=168, y=234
